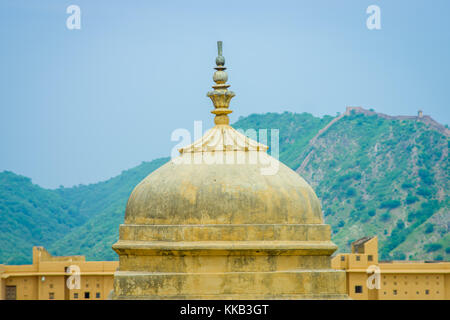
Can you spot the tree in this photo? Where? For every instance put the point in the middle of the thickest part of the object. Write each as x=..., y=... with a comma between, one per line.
x=390, y=204
x=410, y=199
x=432, y=247
x=385, y=216
x=429, y=228
x=351, y=192
x=399, y=256
x=424, y=191
x=407, y=185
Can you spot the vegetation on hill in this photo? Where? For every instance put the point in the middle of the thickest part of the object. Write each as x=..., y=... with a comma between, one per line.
x=294, y=130
x=384, y=177
x=374, y=176
x=31, y=216
x=105, y=203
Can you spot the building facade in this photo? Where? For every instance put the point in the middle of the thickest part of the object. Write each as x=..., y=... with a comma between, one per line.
x=47, y=277
x=57, y=278
x=370, y=279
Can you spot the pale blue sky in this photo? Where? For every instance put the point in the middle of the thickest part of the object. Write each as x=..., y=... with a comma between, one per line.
x=80, y=106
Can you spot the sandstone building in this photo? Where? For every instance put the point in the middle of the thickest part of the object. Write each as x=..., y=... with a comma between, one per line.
x=405, y=280
x=46, y=278
x=398, y=280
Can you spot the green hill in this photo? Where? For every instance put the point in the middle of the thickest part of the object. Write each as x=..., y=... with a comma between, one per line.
x=105, y=202
x=384, y=177
x=375, y=175
x=29, y=216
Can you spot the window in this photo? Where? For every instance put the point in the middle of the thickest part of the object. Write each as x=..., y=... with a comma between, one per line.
x=51, y=295
x=98, y=285
x=370, y=257
x=395, y=292
x=86, y=295
x=358, y=289
x=51, y=286
x=11, y=292
x=97, y=295
x=427, y=291
x=342, y=258
x=358, y=258
x=75, y=295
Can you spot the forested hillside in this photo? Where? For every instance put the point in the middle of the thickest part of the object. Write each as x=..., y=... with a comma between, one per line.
x=384, y=177
x=31, y=215
x=105, y=203
x=375, y=175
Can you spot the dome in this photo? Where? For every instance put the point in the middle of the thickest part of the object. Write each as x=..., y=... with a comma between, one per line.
x=186, y=191
x=225, y=220
x=223, y=178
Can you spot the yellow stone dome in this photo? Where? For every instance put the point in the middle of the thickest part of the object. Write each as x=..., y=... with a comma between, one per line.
x=189, y=191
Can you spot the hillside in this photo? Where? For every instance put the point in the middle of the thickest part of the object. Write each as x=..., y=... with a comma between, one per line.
x=374, y=174
x=29, y=216
x=384, y=177
x=105, y=202
x=295, y=132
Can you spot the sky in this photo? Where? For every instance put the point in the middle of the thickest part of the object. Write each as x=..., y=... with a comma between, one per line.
x=78, y=106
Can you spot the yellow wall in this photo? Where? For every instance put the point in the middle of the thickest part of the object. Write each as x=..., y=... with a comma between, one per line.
x=46, y=278
x=399, y=280
x=415, y=286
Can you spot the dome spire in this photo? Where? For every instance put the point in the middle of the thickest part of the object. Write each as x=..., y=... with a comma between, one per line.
x=220, y=96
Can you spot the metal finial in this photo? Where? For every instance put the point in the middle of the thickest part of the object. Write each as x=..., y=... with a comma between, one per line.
x=219, y=47
x=220, y=96
x=220, y=60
